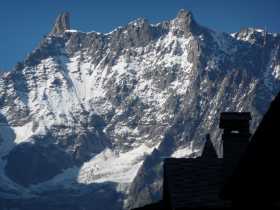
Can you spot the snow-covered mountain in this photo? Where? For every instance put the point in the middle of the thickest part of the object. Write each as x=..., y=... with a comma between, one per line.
x=87, y=117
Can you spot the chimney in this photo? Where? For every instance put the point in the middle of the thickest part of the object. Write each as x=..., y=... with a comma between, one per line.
x=235, y=138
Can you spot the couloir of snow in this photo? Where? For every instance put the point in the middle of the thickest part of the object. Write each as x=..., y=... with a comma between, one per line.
x=185, y=152
x=108, y=166
x=113, y=167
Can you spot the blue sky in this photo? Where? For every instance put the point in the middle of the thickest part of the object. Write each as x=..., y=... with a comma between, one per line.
x=24, y=22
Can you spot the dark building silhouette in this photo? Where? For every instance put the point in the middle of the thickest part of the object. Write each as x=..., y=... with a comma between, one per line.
x=235, y=139
x=246, y=176
x=256, y=180
x=198, y=180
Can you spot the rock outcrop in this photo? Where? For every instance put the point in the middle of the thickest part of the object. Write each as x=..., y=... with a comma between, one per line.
x=62, y=23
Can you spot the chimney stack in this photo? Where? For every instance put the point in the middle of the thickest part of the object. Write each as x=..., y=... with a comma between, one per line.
x=235, y=138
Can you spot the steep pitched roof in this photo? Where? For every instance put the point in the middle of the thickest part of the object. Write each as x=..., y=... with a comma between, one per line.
x=209, y=150
x=258, y=174
x=154, y=206
x=192, y=183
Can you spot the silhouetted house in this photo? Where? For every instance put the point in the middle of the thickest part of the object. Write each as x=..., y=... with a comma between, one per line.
x=256, y=180
x=193, y=183
x=246, y=176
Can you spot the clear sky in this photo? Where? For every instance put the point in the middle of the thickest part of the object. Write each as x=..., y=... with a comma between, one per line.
x=24, y=22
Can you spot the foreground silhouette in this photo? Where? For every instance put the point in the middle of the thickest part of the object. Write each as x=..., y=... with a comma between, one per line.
x=246, y=176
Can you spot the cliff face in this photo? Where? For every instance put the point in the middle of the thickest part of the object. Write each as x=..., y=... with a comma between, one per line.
x=94, y=114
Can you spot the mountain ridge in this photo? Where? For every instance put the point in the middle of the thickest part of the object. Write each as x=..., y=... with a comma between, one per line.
x=95, y=108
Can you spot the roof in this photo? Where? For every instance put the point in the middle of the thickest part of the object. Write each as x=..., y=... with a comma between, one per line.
x=192, y=183
x=257, y=175
x=209, y=150
x=154, y=206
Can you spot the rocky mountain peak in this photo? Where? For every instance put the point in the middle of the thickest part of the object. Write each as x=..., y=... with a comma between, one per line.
x=62, y=23
x=184, y=22
x=139, y=22
x=184, y=14
x=251, y=35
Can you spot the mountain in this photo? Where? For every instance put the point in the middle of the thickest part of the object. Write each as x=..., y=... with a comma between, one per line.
x=87, y=117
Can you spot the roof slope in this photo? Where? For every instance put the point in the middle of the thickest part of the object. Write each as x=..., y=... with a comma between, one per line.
x=192, y=183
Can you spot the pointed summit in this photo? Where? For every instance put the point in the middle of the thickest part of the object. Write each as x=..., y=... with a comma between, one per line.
x=62, y=23
x=184, y=14
x=185, y=22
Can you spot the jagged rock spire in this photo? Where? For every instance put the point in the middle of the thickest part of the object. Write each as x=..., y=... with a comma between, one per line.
x=184, y=14
x=185, y=22
x=62, y=23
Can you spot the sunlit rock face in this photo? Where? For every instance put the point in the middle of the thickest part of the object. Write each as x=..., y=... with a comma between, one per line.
x=94, y=114
x=62, y=24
